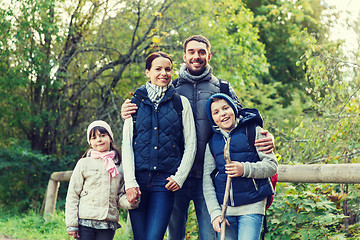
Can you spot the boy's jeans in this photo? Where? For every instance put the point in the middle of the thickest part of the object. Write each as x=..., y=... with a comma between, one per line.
x=191, y=190
x=246, y=227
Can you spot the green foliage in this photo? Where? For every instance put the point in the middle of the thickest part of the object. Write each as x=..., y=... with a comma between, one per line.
x=303, y=211
x=24, y=174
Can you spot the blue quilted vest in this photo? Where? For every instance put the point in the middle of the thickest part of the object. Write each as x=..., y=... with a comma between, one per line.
x=158, y=134
x=244, y=190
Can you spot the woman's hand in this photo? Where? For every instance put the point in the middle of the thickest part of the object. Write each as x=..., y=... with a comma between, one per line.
x=74, y=234
x=133, y=195
x=234, y=169
x=266, y=144
x=128, y=108
x=217, y=223
x=172, y=185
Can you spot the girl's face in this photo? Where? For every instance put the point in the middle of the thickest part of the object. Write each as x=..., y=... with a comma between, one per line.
x=100, y=142
x=160, y=72
x=223, y=114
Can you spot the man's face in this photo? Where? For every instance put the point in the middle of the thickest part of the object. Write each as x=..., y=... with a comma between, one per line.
x=196, y=57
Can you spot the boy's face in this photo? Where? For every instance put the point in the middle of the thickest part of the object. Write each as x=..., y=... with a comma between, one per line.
x=223, y=115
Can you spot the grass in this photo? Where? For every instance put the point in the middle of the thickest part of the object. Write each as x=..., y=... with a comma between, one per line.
x=32, y=226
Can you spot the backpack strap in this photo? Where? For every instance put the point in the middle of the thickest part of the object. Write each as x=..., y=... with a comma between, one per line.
x=224, y=86
x=178, y=104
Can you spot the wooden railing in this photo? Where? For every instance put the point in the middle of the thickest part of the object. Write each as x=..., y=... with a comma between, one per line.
x=314, y=173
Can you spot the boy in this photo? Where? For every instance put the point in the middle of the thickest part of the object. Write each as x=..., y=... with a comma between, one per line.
x=249, y=169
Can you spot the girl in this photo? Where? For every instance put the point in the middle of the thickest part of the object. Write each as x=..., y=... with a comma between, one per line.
x=249, y=169
x=159, y=144
x=96, y=188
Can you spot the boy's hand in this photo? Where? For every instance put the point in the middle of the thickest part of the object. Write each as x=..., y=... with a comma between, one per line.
x=234, y=169
x=217, y=223
x=133, y=195
x=172, y=185
x=128, y=108
x=74, y=234
x=266, y=144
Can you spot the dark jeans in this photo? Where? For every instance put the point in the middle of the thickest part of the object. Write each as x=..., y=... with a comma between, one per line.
x=191, y=190
x=88, y=233
x=150, y=219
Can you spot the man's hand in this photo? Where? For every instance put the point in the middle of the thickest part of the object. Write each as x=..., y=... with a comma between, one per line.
x=266, y=144
x=128, y=108
x=172, y=185
x=133, y=195
x=74, y=234
x=217, y=223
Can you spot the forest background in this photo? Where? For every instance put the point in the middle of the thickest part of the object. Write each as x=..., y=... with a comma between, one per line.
x=66, y=63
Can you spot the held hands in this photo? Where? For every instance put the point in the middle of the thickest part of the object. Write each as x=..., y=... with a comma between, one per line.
x=234, y=169
x=266, y=144
x=217, y=223
x=74, y=234
x=128, y=108
x=133, y=195
x=172, y=185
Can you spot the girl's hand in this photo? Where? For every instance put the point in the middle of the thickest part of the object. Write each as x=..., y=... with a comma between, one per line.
x=234, y=169
x=133, y=195
x=74, y=234
x=128, y=108
x=267, y=144
x=217, y=223
x=172, y=185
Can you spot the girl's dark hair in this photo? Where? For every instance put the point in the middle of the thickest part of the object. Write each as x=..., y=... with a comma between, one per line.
x=153, y=56
x=112, y=145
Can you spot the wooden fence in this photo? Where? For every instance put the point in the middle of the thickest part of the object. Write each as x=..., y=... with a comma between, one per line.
x=314, y=173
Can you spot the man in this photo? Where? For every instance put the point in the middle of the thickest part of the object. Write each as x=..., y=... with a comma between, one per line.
x=197, y=83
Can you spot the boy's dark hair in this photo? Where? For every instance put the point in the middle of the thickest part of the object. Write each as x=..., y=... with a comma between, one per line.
x=198, y=38
x=102, y=130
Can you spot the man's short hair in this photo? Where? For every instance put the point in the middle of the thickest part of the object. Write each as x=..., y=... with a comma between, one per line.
x=198, y=38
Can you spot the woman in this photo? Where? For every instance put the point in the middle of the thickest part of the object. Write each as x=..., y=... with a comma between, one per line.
x=159, y=145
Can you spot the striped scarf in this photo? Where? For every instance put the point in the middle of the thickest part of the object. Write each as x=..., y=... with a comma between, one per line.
x=156, y=93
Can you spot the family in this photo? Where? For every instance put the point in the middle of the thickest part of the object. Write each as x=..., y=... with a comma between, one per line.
x=176, y=135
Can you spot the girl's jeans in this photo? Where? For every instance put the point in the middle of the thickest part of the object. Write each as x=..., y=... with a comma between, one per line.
x=150, y=219
x=88, y=233
x=246, y=227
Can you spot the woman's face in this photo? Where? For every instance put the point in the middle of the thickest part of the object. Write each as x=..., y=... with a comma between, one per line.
x=160, y=72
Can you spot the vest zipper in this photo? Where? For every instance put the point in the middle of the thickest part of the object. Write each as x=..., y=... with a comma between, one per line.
x=256, y=187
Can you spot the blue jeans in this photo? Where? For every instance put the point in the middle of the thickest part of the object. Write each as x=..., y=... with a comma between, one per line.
x=88, y=233
x=191, y=190
x=150, y=219
x=246, y=227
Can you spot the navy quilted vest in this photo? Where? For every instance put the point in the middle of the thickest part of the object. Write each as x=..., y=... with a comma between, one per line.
x=158, y=134
x=244, y=190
